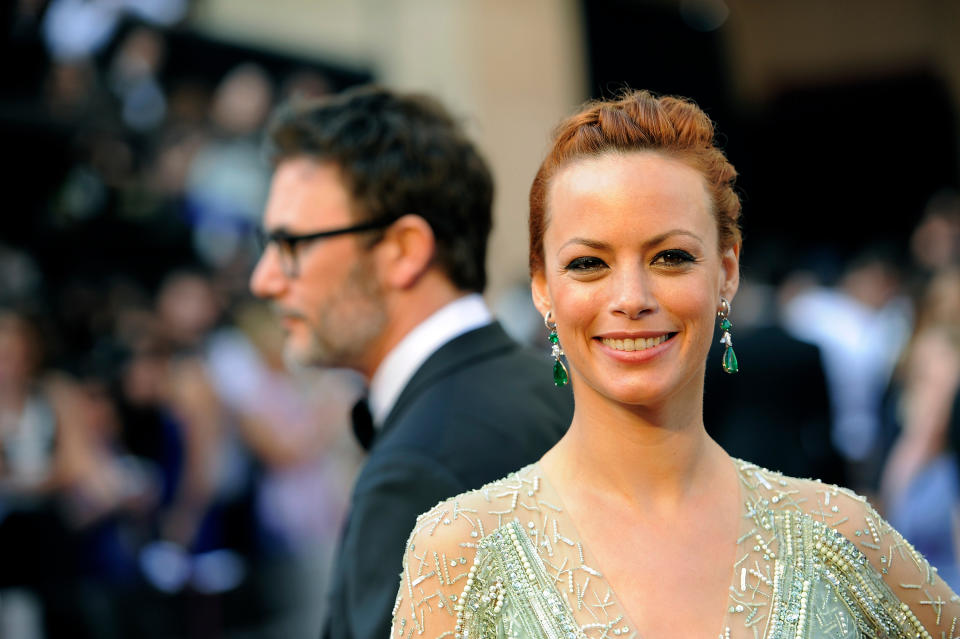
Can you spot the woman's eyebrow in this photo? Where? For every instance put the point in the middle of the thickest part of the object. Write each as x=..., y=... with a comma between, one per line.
x=653, y=241
x=667, y=235
x=594, y=244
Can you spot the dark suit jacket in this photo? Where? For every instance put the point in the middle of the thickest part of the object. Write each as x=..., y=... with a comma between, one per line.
x=775, y=412
x=476, y=410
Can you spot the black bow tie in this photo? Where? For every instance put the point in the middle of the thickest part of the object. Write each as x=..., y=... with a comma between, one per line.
x=363, y=424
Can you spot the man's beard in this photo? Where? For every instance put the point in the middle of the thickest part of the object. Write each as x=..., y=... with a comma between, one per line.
x=347, y=325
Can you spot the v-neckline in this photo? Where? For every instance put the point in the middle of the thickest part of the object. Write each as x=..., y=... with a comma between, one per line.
x=589, y=559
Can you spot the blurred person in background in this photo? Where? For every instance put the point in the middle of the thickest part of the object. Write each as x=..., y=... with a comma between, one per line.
x=254, y=460
x=20, y=278
x=69, y=493
x=133, y=78
x=29, y=472
x=188, y=310
x=935, y=243
x=34, y=540
x=226, y=185
x=781, y=369
x=296, y=426
x=106, y=499
x=376, y=231
x=921, y=482
x=860, y=326
x=204, y=528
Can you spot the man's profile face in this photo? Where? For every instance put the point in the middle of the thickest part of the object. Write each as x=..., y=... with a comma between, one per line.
x=331, y=306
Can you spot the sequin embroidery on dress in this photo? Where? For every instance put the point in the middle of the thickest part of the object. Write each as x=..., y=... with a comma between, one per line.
x=813, y=560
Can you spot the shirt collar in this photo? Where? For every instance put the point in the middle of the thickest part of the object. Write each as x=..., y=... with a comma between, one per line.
x=456, y=318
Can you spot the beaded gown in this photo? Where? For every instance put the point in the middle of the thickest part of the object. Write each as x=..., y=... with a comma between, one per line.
x=812, y=561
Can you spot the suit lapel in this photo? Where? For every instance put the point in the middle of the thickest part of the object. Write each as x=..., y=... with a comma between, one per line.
x=461, y=351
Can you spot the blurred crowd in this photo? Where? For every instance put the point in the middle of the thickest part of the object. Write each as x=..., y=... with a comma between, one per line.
x=176, y=457
x=163, y=473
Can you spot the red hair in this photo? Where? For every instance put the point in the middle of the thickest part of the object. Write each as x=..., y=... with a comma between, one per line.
x=639, y=121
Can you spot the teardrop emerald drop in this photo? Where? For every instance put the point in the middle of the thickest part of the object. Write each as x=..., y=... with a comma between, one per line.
x=730, y=364
x=559, y=374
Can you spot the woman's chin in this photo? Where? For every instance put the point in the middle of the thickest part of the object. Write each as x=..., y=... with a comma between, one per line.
x=639, y=391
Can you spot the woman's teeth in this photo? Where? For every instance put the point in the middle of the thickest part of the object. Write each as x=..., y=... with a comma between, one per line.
x=638, y=344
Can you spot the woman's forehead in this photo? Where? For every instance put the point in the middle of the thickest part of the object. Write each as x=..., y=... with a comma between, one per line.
x=620, y=188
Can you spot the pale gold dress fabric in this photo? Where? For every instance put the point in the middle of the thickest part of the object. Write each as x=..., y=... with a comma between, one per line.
x=813, y=561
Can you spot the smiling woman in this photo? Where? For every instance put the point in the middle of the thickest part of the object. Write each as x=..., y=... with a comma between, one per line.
x=631, y=256
x=636, y=523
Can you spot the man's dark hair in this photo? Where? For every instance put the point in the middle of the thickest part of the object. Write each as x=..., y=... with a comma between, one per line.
x=400, y=154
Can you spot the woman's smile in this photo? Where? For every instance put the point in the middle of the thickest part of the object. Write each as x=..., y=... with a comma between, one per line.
x=638, y=349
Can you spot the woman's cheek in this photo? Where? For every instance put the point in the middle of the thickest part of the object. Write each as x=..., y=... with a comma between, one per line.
x=575, y=305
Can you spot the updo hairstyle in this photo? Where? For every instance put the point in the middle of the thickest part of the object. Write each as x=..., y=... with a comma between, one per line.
x=639, y=121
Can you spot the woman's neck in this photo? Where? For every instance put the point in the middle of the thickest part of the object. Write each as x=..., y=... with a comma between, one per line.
x=653, y=456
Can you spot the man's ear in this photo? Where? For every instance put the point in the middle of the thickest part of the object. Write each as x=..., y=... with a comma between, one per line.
x=730, y=272
x=540, y=292
x=406, y=251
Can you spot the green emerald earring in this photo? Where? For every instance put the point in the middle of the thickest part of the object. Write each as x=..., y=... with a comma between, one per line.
x=730, y=364
x=560, y=374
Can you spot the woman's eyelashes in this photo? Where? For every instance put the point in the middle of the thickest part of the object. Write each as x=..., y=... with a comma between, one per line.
x=585, y=264
x=668, y=258
x=674, y=257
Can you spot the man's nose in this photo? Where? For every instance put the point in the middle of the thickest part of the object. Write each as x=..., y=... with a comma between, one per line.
x=267, y=280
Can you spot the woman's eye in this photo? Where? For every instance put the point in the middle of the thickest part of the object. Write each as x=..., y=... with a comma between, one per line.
x=674, y=257
x=585, y=264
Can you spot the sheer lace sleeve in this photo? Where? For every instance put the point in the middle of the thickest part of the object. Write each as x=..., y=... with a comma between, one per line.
x=856, y=576
x=926, y=600
x=436, y=566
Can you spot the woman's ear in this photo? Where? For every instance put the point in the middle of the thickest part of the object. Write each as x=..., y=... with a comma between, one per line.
x=730, y=272
x=540, y=292
x=406, y=251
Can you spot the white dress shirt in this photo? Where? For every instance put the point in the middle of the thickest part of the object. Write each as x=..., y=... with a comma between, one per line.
x=391, y=377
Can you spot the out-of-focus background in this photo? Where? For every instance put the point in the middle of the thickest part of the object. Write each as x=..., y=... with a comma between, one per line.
x=163, y=475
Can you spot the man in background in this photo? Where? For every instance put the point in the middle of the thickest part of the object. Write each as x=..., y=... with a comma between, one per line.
x=376, y=231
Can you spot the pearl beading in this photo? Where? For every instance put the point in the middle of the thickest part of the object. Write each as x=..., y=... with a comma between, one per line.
x=509, y=552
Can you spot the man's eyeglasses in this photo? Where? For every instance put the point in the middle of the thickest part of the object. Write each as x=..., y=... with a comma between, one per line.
x=287, y=243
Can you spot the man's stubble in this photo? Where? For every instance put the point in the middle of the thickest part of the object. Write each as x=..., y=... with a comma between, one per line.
x=347, y=324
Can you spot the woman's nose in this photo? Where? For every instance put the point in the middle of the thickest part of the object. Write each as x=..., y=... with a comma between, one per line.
x=633, y=296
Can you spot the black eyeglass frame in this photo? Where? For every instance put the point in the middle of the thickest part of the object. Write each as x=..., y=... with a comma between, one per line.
x=287, y=242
